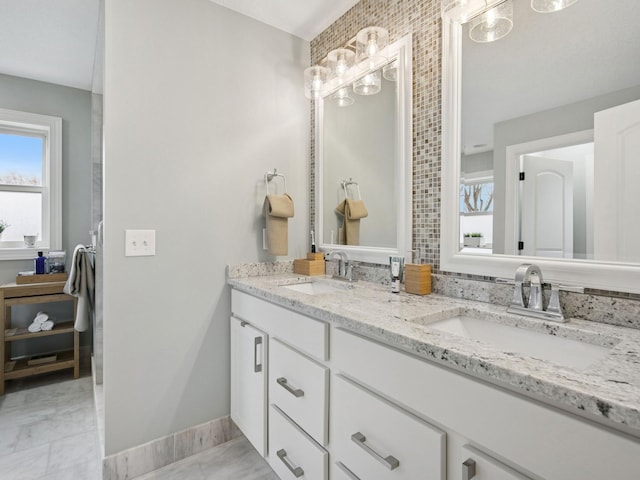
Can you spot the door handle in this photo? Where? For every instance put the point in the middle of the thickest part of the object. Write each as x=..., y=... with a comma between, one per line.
x=296, y=392
x=389, y=461
x=257, y=367
x=468, y=469
x=296, y=471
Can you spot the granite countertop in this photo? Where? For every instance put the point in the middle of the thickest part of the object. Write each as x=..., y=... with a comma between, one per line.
x=607, y=390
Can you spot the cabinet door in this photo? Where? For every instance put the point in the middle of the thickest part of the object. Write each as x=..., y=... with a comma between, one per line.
x=479, y=466
x=248, y=382
x=375, y=439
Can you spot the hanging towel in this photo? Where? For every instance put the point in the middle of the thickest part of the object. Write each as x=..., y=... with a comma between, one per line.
x=81, y=284
x=352, y=211
x=277, y=210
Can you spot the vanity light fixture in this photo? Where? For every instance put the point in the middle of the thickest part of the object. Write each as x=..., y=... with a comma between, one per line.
x=370, y=84
x=363, y=55
x=493, y=24
x=370, y=43
x=390, y=71
x=340, y=62
x=550, y=6
x=490, y=20
x=343, y=98
x=315, y=79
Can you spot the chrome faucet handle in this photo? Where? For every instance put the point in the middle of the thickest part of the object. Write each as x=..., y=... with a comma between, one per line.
x=554, y=302
x=535, y=291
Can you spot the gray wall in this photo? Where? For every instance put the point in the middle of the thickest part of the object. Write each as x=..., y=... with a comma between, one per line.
x=198, y=103
x=74, y=107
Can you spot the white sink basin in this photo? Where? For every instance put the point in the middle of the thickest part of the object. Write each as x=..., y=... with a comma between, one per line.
x=314, y=288
x=559, y=350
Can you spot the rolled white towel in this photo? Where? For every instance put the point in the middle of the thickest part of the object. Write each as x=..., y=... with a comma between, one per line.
x=35, y=327
x=38, y=321
x=48, y=325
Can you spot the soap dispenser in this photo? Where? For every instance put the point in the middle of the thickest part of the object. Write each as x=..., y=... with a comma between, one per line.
x=40, y=264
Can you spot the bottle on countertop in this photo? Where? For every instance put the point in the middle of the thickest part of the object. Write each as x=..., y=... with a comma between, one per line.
x=396, y=273
x=40, y=264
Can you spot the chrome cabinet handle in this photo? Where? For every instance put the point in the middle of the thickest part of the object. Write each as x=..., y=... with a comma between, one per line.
x=390, y=461
x=468, y=469
x=346, y=471
x=296, y=471
x=257, y=367
x=296, y=392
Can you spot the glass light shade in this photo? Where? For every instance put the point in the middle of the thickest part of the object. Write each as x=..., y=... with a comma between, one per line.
x=315, y=79
x=492, y=24
x=550, y=6
x=343, y=98
x=370, y=42
x=390, y=71
x=340, y=61
x=370, y=84
x=462, y=10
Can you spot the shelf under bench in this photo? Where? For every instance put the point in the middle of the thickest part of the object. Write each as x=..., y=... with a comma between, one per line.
x=23, y=333
x=21, y=369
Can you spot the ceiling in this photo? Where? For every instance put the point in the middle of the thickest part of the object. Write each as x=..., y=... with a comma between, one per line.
x=57, y=41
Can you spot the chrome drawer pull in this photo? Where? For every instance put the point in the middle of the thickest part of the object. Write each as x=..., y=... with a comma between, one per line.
x=468, y=469
x=346, y=471
x=390, y=462
x=256, y=366
x=297, y=471
x=296, y=392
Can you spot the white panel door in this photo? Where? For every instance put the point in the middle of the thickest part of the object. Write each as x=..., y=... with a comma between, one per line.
x=617, y=176
x=249, y=382
x=547, y=207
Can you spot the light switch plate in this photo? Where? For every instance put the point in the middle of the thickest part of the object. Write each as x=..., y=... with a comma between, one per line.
x=139, y=243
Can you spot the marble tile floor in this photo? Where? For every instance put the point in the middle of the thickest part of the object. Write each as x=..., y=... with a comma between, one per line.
x=48, y=429
x=234, y=460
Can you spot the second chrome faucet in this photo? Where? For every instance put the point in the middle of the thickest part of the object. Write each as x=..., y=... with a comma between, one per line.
x=530, y=275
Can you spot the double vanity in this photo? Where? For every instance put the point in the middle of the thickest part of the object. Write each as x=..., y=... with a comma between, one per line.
x=344, y=380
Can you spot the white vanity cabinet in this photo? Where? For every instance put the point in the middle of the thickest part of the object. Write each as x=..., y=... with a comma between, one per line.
x=297, y=387
x=249, y=382
x=533, y=439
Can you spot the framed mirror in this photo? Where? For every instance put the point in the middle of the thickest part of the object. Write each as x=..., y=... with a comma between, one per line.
x=540, y=132
x=363, y=162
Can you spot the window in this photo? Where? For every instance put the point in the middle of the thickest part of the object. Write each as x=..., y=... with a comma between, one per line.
x=30, y=182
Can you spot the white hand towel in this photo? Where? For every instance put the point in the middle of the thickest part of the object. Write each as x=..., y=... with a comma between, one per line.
x=46, y=326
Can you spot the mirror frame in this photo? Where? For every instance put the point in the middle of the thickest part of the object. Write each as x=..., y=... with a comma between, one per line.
x=617, y=277
x=403, y=165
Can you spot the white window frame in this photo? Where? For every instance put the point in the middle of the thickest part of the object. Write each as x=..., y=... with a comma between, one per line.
x=51, y=128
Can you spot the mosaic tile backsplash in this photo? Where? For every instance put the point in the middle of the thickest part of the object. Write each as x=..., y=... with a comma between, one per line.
x=421, y=19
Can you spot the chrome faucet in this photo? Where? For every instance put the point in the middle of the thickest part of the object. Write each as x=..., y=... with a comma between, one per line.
x=345, y=267
x=530, y=275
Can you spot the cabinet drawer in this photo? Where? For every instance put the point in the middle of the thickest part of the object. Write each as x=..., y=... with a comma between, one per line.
x=376, y=439
x=339, y=471
x=299, y=387
x=308, y=335
x=479, y=466
x=292, y=453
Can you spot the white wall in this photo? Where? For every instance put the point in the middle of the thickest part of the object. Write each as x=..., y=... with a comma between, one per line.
x=198, y=103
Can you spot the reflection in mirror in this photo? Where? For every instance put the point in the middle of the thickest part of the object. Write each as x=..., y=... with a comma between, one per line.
x=363, y=160
x=556, y=80
x=358, y=169
x=537, y=139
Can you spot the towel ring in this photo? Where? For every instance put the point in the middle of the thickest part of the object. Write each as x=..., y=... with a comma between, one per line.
x=346, y=183
x=268, y=176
